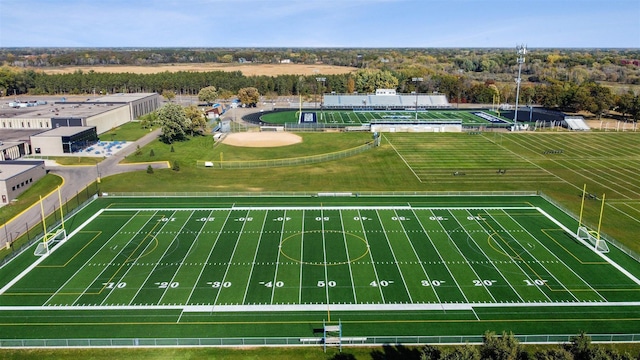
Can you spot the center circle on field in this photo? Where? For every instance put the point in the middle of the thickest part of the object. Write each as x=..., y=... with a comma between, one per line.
x=290, y=247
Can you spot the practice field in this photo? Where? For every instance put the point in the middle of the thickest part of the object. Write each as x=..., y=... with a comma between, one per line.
x=279, y=267
x=346, y=118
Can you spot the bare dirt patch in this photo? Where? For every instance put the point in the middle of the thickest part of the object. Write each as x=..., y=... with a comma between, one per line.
x=262, y=139
x=246, y=69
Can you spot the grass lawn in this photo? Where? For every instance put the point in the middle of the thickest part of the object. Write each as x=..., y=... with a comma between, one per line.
x=130, y=131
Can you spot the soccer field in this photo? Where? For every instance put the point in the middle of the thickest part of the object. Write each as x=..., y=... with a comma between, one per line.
x=350, y=117
x=448, y=257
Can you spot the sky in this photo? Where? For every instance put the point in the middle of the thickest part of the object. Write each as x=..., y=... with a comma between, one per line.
x=321, y=23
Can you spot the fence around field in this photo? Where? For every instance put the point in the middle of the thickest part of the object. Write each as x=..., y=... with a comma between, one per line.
x=297, y=341
x=319, y=194
x=33, y=231
x=604, y=236
x=303, y=160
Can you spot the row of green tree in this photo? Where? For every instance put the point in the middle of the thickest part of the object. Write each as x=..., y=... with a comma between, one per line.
x=613, y=65
x=503, y=347
x=564, y=95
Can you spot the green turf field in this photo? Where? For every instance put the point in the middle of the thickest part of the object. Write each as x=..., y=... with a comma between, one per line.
x=349, y=117
x=278, y=267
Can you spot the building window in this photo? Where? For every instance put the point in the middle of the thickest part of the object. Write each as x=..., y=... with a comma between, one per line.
x=13, y=188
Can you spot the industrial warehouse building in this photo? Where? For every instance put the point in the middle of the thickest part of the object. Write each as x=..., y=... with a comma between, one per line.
x=105, y=113
x=17, y=176
x=64, y=140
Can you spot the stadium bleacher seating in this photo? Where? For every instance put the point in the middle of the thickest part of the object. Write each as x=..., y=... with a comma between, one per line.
x=385, y=102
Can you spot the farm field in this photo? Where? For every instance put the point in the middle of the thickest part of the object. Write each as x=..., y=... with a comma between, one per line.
x=214, y=268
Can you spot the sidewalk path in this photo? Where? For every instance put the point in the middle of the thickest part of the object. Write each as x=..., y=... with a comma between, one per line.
x=75, y=179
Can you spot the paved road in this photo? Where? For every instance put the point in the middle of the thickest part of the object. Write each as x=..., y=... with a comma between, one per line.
x=76, y=178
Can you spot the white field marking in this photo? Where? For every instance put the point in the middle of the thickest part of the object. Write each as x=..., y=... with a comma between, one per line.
x=346, y=248
x=373, y=264
x=255, y=256
x=321, y=307
x=631, y=217
x=604, y=257
x=485, y=255
x=384, y=231
x=144, y=251
x=585, y=169
x=106, y=243
x=554, y=255
x=324, y=256
x=532, y=163
x=301, y=259
x=526, y=250
x=249, y=208
x=415, y=253
x=461, y=254
x=183, y=259
x=224, y=277
x=43, y=257
x=154, y=266
x=208, y=256
x=574, y=171
x=402, y=158
x=440, y=256
x=275, y=275
x=632, y=183
x=74, y=214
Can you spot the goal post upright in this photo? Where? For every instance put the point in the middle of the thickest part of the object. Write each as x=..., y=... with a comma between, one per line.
x=600, y=220
x=44, y=226
x=584, y=191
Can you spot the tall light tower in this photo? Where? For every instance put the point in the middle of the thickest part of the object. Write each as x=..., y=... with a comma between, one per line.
x=522, y=51
x=320, y=80
x=417, y=80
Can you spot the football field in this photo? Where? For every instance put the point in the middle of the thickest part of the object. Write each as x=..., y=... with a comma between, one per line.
x=297, y=256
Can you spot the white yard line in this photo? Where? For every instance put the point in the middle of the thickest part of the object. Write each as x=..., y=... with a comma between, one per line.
x=324, y=257
x=395, y=259
x=209, y=257
x=440, y=256
x=373, y=264
x=136, y=260
x=485, y=255
x=253, y=262
x=182, y=260
x=402, y=158
x=461, y=254
x=275, y=273
x=92, y=256
x=346, y=248
x=524, y=273
x=415, y=253
x=224, y=277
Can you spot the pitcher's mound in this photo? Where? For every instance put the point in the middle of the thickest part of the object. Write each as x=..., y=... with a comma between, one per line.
x=261, y=139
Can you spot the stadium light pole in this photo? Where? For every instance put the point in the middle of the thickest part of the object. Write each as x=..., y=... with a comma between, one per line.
x=522, y=51
x=417, y=80
x=320, y=80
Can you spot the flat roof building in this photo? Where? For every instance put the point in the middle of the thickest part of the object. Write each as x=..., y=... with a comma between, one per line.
x=64, y=140
x=17, y=176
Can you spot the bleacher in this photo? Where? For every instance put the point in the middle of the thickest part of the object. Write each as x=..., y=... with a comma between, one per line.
x=384, y=102
x=576, y=123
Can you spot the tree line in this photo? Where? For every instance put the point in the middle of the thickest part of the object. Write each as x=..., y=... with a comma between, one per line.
x=501, y=347
x=571, y=96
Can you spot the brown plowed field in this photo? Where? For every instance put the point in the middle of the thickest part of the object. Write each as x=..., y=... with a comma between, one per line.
x=246, y=69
